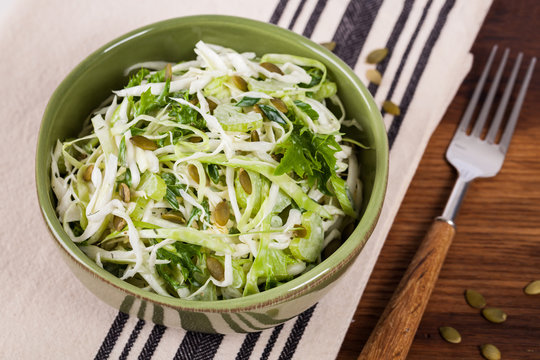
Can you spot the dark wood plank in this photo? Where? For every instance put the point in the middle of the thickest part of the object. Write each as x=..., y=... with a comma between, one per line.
x=497, y=246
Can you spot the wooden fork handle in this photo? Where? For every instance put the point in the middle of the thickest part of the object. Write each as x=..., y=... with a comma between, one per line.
x=394, y=333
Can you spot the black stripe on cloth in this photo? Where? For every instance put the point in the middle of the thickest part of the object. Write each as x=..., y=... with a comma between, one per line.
x=115, y=330
x=132, y=338
x=155, y=335
x=297, y=14
x=198, y=346
x=152, y=342
x=314, y=18
x=405, y=56
x=278, y=11
x=247, y=346
x=135, y=332
x=419, y=70
x=296, y=334
x=354, y=28
x=392, y=40
x=271, y=342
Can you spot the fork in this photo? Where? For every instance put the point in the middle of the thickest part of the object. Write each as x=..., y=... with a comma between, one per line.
x=473, y=155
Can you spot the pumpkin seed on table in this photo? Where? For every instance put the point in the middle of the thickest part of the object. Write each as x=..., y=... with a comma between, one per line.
x=494, y=315
x=376, y=56
x=450, y=334
x=87, y=175
x=215, y=268
x=123, y=191
x=533, y=288
x=271, y=67
x=222, y=213
x=143, y=142
x=490, y=352
x=239, y=82
x=193, y=172
x=391, y=108
x=245, y=181
x=330, y=45
x=374, y=76
x=173, y=216
x=475, y=299
x=119, y=223
x=280, y=105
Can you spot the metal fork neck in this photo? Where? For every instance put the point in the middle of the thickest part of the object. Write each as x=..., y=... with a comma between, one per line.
x=456, y=197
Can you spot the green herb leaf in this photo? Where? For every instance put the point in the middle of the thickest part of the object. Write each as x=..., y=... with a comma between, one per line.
x=272, y=114
x=173, y=189
x=311, y=155
x=184, y=114
x=307, y=109
x=316, y=76
x=138, y=77
x=122, y=152
x=213, y=172
x=247, y=101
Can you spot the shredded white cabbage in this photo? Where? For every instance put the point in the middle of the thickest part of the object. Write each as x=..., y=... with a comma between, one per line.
x=163, y=180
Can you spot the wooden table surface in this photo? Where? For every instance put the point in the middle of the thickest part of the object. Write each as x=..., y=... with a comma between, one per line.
x=497, y=247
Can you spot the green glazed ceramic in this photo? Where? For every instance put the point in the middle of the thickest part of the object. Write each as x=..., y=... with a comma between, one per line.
x=173, y=40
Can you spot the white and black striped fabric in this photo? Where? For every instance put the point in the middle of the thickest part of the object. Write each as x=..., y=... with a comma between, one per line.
x=428, y=43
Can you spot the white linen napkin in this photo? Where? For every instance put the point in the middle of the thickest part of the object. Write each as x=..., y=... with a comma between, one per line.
x=47, y=314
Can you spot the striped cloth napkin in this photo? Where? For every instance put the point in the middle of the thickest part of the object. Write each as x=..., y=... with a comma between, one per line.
x=47, y=314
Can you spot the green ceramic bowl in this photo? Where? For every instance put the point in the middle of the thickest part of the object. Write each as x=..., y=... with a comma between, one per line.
x=173, y=40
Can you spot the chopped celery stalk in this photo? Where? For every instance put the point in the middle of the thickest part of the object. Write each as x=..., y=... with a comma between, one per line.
x=153, y=186
x=308, y=248
x=232, y=119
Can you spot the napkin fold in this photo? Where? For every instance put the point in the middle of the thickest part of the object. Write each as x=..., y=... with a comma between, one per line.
x=47, y=314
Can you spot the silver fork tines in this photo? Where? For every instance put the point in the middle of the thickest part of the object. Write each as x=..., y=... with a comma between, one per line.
x=473, y=156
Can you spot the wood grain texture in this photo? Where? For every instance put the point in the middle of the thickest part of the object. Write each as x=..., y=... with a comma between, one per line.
x=394, y=333
x=496, y=249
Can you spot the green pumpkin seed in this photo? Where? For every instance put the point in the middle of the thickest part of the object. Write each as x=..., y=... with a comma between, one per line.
x=331, y=45
x=87, y=175
x=119, y=223
x=255, y=136
x=193, y=172
x=280, y=105
x=168, y=72
x=494, y=315
x=222, y=213
x=490, y=352
x=374, y=76
x=450, y=334
x=195, y=139
x=475, y=299
x=271, y=67
x=245, y=181
x=533, y=288
x=174, y=216
x=215, y=268
x=123, y=191
x=143, y=142
x=212, y=105
x=376, y=56
x=239, y=82
x=300, y=232
x=391, y=108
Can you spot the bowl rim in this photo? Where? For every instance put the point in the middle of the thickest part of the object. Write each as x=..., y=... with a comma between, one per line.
x=289, y=290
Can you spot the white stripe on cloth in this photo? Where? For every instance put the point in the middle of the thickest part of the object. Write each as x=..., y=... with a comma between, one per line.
x=74, y=29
